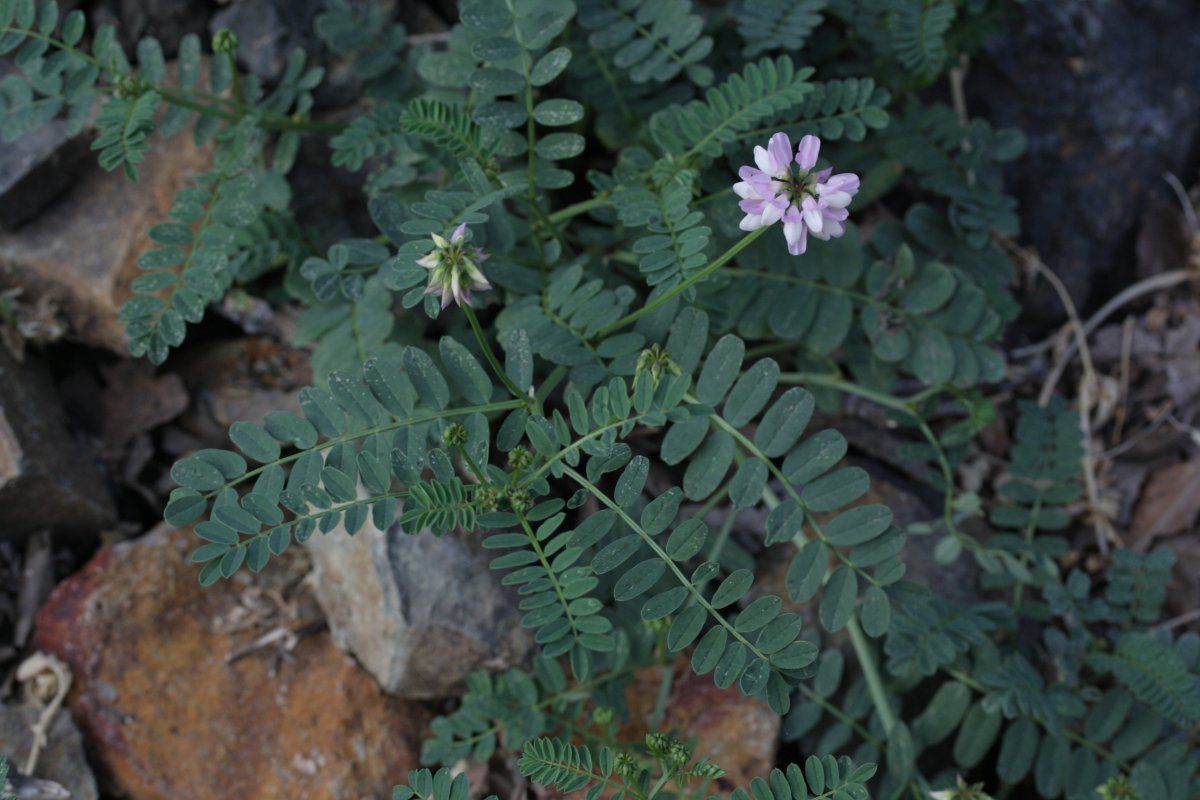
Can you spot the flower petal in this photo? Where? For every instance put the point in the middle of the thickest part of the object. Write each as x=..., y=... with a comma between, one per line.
x=807, y=152
x=763, y=159
x=751, y=222
x=812, y=215
x=796, y=234
x=780, y=150
x=835, y=199
x=773, y=211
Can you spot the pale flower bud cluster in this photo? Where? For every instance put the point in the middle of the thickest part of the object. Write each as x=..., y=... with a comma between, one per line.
x=454, y=271
x=806, y=201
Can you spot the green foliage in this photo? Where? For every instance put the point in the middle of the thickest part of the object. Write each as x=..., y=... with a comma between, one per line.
x=448, y=127
x=4, y=795
x=918, y=29
x=777, y=24
x=1043, y=479
x=560, y=764
x=698, y=131
x=509, y=709
x=1156, y=674
x=654, y=40
x=640, y=371
x=362, y=33
x=393, y=409
x=424, y=785
x=210, y=238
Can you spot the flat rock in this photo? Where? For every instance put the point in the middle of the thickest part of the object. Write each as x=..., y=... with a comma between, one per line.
x=61, y=760
x=1108, y=95
x=81, y=254
x=420, y=612
x=47, y=479
x=268, y=30
x=177, y=706
x=35, y=169
x=240, y=380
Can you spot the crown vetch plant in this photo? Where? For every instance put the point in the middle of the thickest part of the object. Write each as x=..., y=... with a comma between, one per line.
x=631, y=318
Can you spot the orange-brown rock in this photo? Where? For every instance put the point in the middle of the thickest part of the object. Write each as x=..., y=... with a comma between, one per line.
x=175, y=704
x=730, y=729
x=725, y=726
x=82, y=252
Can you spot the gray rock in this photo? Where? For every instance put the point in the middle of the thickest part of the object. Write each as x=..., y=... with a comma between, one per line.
x=80, y=254
x=62, y=761
x=47, y=480
x=35, y=169
x=1108, y=94
x=166, y=20
x=419, y=612
x=268, y=30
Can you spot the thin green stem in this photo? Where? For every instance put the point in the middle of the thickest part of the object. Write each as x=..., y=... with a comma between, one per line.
x=579, y=691
x=907, y=406
x=1030, y=530
x=554, y=459
x=671, y=565
x=395, y=424
x=536, y=546
x=238, y=97
x=321, y=513
x=658, y=786
x=682, y=286
x=1083, y=741
x=488, y=354
x=664, y=694
x=552, y=380
x=840, y=715
x=582, y=207
x=276, y=122
x=870, y=670
x=769, y=497
x=476, y=470
x=901, y=404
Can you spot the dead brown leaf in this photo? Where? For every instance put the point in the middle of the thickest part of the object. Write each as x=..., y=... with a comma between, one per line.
x=1169, y=504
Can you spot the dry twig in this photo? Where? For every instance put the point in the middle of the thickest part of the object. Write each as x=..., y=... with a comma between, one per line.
x=1088, y=386
x=47, y=681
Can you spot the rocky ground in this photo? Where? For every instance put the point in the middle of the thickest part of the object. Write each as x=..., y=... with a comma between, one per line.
x=318, y=677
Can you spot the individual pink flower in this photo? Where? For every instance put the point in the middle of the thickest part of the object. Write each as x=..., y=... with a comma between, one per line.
x=454, y=268
x=806, y=201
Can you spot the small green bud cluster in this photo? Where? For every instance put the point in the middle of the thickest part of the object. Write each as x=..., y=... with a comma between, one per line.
x=129, y=86
x=656, y=361
x=519, y=499
x=626, y=766
x=602, y=715
x=1118, y=787
x=224, y=42
x=673, y=753
x=488, y=497
x=706, y=770
x=520, y=459
x=455, y=435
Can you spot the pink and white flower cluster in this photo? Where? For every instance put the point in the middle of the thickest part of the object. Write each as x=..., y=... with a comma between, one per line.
x=454, y=268
x=806, y=201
